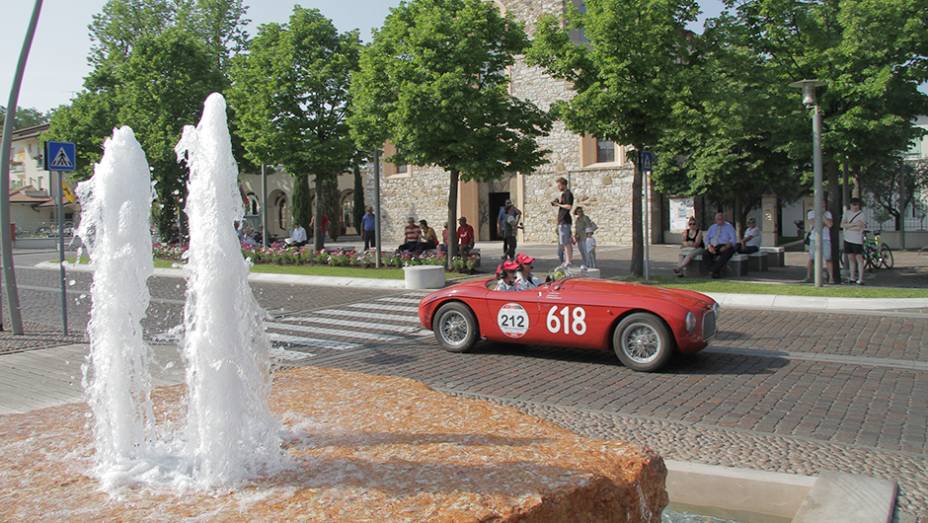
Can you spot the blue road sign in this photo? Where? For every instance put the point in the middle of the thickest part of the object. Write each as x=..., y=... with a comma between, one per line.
x=60, y=156
x=647, y=160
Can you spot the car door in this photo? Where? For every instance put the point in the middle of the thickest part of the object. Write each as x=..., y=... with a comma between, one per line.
x=512, y=316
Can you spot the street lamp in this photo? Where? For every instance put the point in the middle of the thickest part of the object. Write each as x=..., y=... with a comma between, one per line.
x=808, y=99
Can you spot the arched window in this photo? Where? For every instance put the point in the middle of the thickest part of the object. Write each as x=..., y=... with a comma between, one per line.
x=252, y=208
x=283, y=214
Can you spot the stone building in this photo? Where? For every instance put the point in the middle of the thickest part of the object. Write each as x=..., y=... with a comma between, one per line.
x=598, y=173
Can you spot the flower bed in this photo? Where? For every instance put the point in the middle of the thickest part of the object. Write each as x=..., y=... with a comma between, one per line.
x=280, y=254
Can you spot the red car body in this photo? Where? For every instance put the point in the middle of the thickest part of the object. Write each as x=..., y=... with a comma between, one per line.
x=593, y=309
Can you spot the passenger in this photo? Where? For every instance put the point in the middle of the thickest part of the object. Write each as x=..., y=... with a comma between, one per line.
x=507, y=278
x=524, y=278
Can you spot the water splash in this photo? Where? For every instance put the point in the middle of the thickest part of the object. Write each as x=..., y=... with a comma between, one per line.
x=114, y=228
x=231, y=433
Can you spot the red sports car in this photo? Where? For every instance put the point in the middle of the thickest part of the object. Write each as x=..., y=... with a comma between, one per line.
x=644, y=325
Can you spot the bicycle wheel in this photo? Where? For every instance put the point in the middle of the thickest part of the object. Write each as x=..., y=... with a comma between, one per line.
x=870, y=258
x=886, y=256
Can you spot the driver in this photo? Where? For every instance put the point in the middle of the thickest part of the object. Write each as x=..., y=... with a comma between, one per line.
x=524, y=278
x=507, y=278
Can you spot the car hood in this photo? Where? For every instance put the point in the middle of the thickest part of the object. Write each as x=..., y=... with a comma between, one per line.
x=685, y=298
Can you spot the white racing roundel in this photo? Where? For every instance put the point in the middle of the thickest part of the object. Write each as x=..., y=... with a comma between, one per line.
x=512, y=320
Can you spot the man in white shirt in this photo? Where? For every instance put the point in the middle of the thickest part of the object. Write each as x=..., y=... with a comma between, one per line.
x=827, y=222
x=298, y=236
x=750, y=242
x=854, y=224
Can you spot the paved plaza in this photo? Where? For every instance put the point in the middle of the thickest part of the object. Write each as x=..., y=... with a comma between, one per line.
x=785, y=391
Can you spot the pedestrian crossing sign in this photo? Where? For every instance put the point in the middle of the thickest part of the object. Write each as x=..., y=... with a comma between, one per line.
x=60, y=156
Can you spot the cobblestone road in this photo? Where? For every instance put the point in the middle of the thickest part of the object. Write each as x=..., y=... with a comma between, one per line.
x=780, y=391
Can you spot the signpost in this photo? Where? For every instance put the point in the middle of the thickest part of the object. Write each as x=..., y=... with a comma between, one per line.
x=647, y=160
x=61, y=157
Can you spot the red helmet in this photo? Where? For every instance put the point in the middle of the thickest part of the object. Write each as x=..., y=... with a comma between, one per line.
x=524, y=259
x=510, y=265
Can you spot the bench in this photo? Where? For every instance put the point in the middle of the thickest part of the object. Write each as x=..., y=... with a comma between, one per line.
x=758, y=261
x=738, y=263
x=776, y=256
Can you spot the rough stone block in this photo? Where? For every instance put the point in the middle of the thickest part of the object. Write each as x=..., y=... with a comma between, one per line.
x=362, y=448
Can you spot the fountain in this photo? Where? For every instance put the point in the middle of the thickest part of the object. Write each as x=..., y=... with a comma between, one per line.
x=231, y=434
x=116, y=205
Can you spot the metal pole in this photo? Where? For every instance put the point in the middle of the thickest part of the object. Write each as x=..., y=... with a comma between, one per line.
x=377, y=255
x=6, y=242
x=647, y=223
x=817, y=192
x=59, y=204
x=263, y=207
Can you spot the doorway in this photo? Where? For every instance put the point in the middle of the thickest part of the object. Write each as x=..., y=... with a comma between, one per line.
x=497, y=200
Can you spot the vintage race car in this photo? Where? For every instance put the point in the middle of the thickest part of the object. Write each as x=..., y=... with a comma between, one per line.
x=644, y=325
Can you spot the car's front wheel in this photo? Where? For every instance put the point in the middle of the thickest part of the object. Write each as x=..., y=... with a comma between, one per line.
x=455, y=327
x=642, y=342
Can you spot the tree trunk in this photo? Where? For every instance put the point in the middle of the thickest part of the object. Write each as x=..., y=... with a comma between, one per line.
x=637, y=264
x=834, y=205
x=452, y=217
x=331, y=205
x=317, y=215
x=358, y=197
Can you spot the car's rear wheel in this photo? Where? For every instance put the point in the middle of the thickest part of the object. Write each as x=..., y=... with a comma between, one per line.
x=642, y=342
x=455, y=327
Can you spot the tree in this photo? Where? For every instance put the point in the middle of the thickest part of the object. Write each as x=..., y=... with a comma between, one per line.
x=624, y=71
x=290, y=93
x=434, y=82
x=358, y=194
x=729, y=134
x=871, y=57
x=26, y=117
x=161, y=88
x=895, y=186
x=221, y=24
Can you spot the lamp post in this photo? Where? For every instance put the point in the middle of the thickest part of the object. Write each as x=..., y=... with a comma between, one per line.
x=808, y=99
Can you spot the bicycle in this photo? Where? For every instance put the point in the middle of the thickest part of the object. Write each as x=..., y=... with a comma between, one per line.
x=876, y=253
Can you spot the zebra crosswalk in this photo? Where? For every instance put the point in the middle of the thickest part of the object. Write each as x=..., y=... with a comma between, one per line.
x=302, y=335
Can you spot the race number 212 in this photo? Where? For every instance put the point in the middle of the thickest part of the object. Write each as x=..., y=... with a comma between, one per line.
x=567, y=320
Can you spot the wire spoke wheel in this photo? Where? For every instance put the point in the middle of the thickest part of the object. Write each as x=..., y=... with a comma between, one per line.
x=642, y=342
x=455, y=327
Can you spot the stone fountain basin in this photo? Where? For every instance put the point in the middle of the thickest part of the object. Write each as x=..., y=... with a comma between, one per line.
x=365, y=448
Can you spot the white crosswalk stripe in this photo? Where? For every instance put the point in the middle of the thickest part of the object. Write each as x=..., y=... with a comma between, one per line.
x=379, y=307
x=404, y=318
x=399, y=329
x=289, y=355
x=412, y=301
x=314, y=343
x=372, y=336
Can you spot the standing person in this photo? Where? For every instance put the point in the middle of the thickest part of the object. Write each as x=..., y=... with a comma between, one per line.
x=582, y=222
x=323, y=228
x=444, y=239
x=367, y=228
x=564, y=203
x=589, y=248
x=827, y=222
x=428, y=240
x=854, y=224
x=750, y=242
x=465, y=236
x=721, y=240
x=507, y=225
x=692, y=240
x=411, y=235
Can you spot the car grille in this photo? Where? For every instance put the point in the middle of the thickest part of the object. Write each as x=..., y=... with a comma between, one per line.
x=708, y=325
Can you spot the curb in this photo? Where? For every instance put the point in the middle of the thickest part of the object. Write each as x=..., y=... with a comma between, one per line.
x=779, y=301
x=262, y=277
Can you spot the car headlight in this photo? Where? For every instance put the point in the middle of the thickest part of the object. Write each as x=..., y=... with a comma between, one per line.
x=690, y=322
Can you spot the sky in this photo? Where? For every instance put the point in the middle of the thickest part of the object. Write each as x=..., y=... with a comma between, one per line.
x=58, y=60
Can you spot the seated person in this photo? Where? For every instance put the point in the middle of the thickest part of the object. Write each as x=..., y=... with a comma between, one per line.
x=411, y=236
x=524, y=277
x=428, y=240
x=750, y=243
x=507, y=276
x=692, y=239
x=297, y=237
x=720, y=242
x=465, y=235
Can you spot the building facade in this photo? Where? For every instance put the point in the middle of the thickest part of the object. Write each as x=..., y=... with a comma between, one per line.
x=598, y=172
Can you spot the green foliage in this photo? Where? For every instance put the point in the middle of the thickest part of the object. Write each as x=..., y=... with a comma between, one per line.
x=300, y=200
x=434, y=82
x=290, y=94
x=625, y=60
x=358, y=196
x=25, y=117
